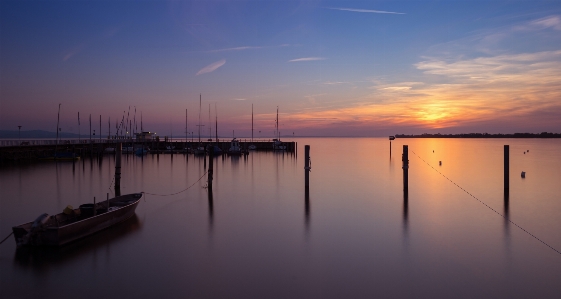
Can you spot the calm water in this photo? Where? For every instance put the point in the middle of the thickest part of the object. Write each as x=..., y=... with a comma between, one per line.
x=258, y=237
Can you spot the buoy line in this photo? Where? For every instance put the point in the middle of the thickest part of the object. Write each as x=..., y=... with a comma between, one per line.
x=179, y=191
x=520, y=227
x=6, y=237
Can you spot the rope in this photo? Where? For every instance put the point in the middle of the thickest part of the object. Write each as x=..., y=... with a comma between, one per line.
x=6, y=238
x=524, y=230
x=179, y=191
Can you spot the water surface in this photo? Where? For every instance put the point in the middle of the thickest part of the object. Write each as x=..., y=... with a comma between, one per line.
x=259, y=235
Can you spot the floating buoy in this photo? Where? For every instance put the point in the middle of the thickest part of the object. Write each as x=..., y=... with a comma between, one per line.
x=439, y=162
x=524, y=153
x=523, y=174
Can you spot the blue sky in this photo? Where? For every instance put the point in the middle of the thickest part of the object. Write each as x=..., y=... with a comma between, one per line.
x=334, y=68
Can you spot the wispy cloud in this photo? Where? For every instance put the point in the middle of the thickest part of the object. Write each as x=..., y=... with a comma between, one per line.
x=246, y=48
x=211, y=67
x=307, y=59
x=366, y=10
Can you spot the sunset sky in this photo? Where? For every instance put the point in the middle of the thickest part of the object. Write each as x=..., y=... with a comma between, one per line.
x=334, y=68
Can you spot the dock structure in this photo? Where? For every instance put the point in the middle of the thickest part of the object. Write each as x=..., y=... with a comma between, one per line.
x=40, y=149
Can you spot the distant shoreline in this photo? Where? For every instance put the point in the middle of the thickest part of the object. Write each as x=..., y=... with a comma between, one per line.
x=483, y=135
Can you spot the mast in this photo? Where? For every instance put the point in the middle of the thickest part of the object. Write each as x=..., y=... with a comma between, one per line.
x=186, y=126
x=252, y=122
x=141, y=129
x=57, y=123
x=209, y=124
x=79, y=135
x=216, y=126
x=200, y=106
x=277, y=123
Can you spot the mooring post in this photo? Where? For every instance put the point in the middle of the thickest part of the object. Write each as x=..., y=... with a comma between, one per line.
x=405, y=159
x=210, y=166
x=506, y=170
x=118, y=153
x=390, y=148
x=307, y=165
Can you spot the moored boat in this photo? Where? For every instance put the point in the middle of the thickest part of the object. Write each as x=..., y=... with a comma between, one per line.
x=73, y=224
x=235, y=148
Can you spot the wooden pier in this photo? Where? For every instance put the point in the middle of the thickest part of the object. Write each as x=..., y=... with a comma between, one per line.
x=30, y=150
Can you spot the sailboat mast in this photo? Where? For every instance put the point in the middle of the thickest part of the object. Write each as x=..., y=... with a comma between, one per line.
x=209, y=124
x=216, y=125
x=277, y=122
x=57, y=123
x=186, y=132
x=200, y=106
x=251, y=122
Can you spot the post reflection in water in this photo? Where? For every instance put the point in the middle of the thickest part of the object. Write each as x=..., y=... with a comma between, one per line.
x=405, y=213
x=307, y=209
x=506, y=223
x=210, y=210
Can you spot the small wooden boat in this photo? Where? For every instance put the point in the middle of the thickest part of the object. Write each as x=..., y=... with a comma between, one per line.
x=73, y=224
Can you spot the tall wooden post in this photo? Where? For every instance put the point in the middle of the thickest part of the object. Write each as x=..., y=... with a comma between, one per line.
x=506, y=170
x=119, y=151
x=390, y=148
x=307, y=166
x=405, y=160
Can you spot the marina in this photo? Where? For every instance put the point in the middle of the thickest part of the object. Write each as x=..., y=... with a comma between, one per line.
x=261, y=232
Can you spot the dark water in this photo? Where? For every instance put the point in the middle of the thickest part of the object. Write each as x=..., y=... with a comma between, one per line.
x=260, y=236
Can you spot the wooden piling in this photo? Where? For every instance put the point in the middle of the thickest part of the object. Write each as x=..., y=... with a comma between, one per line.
x=506, y=169
x=118, y=154
x=405, y=160
x=307, y=165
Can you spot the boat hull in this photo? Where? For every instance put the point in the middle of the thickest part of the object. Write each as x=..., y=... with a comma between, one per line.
x=54, y=235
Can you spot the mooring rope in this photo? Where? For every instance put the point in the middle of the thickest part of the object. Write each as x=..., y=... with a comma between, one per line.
x=179, y=191
x=506, y=218
x=6, y=238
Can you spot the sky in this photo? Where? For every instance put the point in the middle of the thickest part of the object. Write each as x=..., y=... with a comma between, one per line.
x=333, y=68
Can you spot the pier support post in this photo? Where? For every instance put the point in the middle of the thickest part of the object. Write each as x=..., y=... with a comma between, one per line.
x=506, y=170
x=210, y=166
x=307, y=166
x=118, y=153
x=405, y=160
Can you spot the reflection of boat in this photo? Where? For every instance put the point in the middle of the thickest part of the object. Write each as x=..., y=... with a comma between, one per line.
x=141, y=151
x=235, y=148
x=199, y=150
x=128, y=149
x=278, y=145
x=217, y=151
x=73, y=224
x=43, y=258
x=63, y=156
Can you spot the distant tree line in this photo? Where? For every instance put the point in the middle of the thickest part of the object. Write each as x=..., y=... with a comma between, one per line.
x=483, y=135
